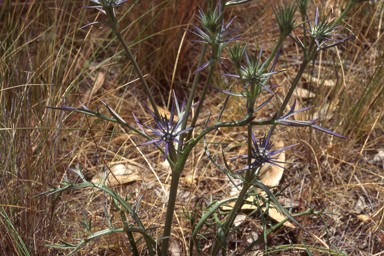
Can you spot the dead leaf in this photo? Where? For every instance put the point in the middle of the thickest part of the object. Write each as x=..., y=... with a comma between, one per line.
x=175, y=249
x=277, y=216
x=163, y=111
x=272, y=212
x=123, y=173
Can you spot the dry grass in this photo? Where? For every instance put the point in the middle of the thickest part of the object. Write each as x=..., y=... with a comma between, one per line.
x=46, y=59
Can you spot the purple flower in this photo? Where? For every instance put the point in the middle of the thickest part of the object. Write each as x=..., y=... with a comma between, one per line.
x=106, y=3
x=166, y=130
x=284, y=15
x=255, y=72
x=106, y=7
x=217, y=37
x=303, y=6
x=212, y=33
x=323, y=31
x=262, y=153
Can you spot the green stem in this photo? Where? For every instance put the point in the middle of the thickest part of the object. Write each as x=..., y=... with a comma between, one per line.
x=222, y=3
x=248, y=177
x=170, y=210
x=209, y=213
x=303, y=18
x=138, y=71
x=251, y=107
x=293, y=87
x=342, y=15
x=172, y=152
x=179, y=167
x=309, y=55
x=277, y=47
x=131, y=239
x=228, y=223
x=289, y=95
x=202, y=98
x=192, y=93
x=249, y=129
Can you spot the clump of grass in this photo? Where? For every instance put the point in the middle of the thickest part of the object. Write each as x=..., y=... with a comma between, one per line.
x=43, y=62
x=30, y=76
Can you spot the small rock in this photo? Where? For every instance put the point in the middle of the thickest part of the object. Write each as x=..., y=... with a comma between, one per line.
x=121, y=174
x=252, y=237
x=378, y=158
x=183, y=195
x=165, y=164
x=360, y=204
x=239, y=219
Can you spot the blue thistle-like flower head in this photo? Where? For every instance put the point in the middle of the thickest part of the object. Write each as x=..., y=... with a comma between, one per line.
x=284, y=15
x=106, y=3
x=303, y=6
x=167, y=131
x=108, y=8
x=236, y=53
x=254, y=71
x=213, y=33
x=262, y=153
x=323, y=31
